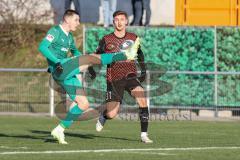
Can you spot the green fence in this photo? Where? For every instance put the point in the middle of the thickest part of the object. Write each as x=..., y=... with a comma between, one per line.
x=228, y=59
x=209, y=51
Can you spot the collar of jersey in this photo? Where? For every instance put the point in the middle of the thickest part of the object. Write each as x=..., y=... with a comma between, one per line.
x=63, y=29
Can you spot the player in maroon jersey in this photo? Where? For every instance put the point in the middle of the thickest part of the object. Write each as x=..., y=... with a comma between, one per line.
x=120, y=75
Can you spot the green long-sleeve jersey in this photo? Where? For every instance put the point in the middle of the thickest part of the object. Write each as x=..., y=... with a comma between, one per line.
x=56, y=44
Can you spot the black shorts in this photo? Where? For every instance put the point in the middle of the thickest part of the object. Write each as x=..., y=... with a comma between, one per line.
x=115, y=89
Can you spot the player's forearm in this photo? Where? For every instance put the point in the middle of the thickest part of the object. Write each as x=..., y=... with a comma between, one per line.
x=43, y=48
x=101, y=47
x=140, y=59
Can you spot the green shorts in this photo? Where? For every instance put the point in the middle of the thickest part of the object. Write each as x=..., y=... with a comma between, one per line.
x=68, y=78
x=71, y=86
x=70, y=68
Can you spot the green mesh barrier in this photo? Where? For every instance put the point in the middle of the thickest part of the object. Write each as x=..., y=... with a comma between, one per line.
x=182, y=49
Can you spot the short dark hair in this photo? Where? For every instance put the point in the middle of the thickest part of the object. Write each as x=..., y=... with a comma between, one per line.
x=119, y=12
x=69, y=12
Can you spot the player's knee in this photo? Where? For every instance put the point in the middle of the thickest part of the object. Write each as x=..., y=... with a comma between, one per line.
x=82, y=102
x=138, y=92
x=84, y=105
x=111, y=115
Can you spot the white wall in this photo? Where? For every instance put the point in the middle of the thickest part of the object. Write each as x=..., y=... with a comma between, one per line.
x=163, y=12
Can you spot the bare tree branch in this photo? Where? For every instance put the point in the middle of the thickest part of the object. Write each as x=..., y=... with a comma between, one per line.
x=18, y=19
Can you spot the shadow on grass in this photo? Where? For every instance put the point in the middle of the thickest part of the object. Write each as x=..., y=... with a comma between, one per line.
x=84, y=136
x=47, y=138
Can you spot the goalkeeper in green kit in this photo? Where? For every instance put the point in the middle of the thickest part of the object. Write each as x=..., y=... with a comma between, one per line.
x=55, y=47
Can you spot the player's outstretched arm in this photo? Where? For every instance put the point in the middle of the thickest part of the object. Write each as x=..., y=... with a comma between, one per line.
x=106, y=58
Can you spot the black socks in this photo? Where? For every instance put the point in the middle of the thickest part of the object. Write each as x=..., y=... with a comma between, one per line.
x=144, y=117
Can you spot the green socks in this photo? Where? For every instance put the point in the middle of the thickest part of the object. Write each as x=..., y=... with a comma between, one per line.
x=72, y=115
x=110, y=58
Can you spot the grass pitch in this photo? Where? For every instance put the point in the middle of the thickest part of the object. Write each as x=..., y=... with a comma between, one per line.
x=29, y=138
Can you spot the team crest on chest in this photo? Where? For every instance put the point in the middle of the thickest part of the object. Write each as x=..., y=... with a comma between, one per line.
x=110, y=46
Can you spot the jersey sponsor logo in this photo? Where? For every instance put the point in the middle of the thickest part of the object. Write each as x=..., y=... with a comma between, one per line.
x=64, y=49
x=126, y=44
x=110, y=46
x=50, y=37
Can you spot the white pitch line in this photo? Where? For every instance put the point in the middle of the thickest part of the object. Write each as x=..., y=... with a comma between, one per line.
x=118, y=150
x=7, y=147
x=152, y=153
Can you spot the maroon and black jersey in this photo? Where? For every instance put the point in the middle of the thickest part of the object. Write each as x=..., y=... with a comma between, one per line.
x=111, y=43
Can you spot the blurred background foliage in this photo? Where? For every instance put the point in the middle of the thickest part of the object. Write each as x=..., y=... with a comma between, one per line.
x=185, y=49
